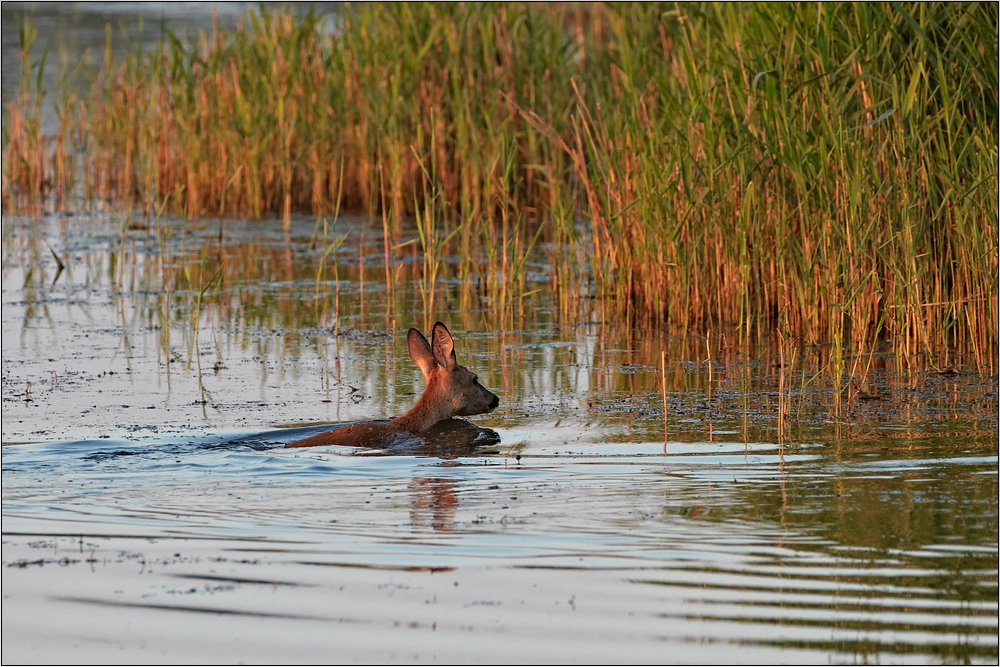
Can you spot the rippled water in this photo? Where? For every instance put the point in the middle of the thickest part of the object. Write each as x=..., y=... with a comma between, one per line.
x=579, y=551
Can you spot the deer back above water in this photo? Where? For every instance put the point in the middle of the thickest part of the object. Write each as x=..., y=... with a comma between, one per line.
x=452, y=391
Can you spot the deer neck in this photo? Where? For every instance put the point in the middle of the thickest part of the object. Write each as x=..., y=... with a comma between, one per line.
x=428, y=411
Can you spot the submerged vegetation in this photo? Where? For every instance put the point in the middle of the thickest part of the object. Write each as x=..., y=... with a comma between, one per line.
x=824, y=171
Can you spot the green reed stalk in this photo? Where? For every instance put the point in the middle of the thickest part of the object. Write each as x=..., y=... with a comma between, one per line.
x=709, y=165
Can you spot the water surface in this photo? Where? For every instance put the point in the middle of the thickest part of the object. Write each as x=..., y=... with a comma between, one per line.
x=151, y=514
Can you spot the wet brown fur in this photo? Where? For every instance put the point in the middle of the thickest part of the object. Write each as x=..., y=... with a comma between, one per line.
x=452, y=391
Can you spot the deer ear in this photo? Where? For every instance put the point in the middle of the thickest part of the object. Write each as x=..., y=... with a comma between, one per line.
x=420, y=352
x=443, y=346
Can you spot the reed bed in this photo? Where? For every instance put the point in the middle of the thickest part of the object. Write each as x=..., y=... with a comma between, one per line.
x=826, y=170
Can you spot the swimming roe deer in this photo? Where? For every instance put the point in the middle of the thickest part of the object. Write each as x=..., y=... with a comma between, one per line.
x=452, y=391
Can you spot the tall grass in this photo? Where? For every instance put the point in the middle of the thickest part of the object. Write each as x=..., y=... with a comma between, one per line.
x=829, y=166
x=836, y=163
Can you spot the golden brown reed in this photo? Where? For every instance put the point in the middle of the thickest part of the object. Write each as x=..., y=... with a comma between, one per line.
x=827, y=168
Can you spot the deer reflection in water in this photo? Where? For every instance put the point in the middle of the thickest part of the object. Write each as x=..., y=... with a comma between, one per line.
x=434, y=503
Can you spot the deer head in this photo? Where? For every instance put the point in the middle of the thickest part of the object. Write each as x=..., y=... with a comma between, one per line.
x=452, y=390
